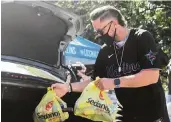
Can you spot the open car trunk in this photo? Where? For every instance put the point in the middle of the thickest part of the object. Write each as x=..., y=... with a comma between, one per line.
x=32, y=33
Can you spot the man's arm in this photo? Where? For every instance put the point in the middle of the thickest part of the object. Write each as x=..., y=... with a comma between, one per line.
x=143, y=78
x=79, y=86
x=62, y=88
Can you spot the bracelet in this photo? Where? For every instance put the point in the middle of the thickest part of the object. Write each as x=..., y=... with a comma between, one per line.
x=69, y=88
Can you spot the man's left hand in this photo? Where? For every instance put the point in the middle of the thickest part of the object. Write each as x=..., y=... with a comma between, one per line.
x=105, y=84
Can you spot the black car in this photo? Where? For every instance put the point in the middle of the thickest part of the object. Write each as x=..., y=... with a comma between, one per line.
x=34, y=37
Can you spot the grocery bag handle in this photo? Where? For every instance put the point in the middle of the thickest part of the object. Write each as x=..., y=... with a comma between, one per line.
x=101, y=91
x=49, y=89
x=68, y=109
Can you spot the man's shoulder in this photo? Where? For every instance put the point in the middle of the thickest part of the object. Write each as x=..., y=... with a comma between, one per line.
x=138, y=32
x=141, y=34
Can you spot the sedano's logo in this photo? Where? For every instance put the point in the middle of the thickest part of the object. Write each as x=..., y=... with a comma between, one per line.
x=49, y=105
x=98, y=105
x=47, y=116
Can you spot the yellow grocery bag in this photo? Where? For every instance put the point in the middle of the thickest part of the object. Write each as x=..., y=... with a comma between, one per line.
x=96, y=105
x=50, y=108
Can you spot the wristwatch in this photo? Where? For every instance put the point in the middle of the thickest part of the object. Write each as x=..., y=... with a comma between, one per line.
x=117, y=83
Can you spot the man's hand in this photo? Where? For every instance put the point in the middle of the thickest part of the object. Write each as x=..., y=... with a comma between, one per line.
x=60, y=89
x=83, y=67
x=83, y=76
x=105, y=84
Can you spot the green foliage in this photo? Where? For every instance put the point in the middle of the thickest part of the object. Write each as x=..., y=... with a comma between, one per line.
x=154, y=16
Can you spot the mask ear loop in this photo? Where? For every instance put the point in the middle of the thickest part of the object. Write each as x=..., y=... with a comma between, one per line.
x=109, y=28
x=114, y=32
x=114, y=36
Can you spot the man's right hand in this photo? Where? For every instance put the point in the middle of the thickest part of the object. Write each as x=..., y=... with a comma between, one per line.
x=60, y=89
x=83, y=76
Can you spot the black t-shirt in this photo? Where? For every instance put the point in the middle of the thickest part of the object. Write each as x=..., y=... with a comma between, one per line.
x=140, y=53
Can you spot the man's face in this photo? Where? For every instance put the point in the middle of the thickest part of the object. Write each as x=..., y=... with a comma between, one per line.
x=104, y=27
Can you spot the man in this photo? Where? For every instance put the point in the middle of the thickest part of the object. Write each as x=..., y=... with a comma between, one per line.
x=129, y=64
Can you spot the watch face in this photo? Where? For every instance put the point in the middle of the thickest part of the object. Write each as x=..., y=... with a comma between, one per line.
x=117, y=81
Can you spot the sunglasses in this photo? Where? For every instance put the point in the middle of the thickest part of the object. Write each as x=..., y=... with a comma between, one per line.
x=101, y=31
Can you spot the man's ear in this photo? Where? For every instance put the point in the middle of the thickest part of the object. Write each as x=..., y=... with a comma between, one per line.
x=114, y=26
x=115, y=22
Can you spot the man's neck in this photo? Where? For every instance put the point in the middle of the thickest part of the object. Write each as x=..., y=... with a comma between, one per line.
x=123, y=33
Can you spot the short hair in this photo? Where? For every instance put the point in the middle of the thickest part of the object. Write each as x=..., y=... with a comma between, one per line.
x=106, y=12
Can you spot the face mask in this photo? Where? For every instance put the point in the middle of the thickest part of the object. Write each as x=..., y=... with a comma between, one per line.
x=108, y=40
